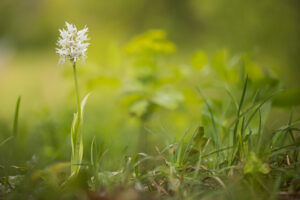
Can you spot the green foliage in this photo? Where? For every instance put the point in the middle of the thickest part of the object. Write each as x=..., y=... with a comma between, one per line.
x=232, y=151
x=151, y=92
x=167, y=97
x=76, y=139
x=151, y=43
x=223, y=67
x=199, y=139
x=254, y=165
x=199, y=60
x=139, y=108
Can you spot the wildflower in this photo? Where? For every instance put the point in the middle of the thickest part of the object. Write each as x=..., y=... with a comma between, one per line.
x=72, y=44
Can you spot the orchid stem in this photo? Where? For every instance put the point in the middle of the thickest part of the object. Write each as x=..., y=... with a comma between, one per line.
x=76, y=90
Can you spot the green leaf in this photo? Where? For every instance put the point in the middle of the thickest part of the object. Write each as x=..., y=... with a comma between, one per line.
x=76, y=139
x=220, y=64
x=94, y=154
x=199, y=59
x=83, y=102
x=264, y=168
x=152, y=42
x=168, y=98
x=199, y=140
x=254, y=165
x=253, y=70
x=139, y=108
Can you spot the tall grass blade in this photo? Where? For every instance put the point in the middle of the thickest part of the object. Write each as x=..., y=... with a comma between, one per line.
x=239, y=110
x=179, y=147
x=215, y=132
x=234, y=137
x=199, y=128
x=259, y=134
x=16, y=117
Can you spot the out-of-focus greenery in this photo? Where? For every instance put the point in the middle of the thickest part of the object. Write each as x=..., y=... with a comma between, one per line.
x=268, y=29
x=155, y=70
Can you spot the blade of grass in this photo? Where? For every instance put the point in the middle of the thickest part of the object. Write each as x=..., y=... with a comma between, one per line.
x=219, y=150
x=232, y=98
x=179, y=148
x=189, y=143
x=259, y=106
x=200, y=158
x=215, y=135
x=259, y=135
x=234, y=136
x=239, y=110
x=6, y=140
x=16, y=117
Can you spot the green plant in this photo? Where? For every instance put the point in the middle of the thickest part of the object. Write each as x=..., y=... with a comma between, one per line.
x=73, y=47
x=145, y=93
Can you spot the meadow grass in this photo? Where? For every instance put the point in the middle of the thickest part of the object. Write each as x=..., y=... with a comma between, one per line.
x=229, y=153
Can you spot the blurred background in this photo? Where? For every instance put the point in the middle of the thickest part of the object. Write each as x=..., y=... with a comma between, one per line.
x=268, y=30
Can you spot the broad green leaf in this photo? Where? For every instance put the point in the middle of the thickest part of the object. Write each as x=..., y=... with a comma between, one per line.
x=199, y=59
x=139, y=108
x=152, y=42
x=265, y=81
x=168, y=98
x=253, y=70
x=219, y=63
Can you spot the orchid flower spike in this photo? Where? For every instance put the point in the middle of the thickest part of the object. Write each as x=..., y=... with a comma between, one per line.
x=72, y=44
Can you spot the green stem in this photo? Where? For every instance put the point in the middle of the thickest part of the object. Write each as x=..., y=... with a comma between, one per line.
x=76, y=138
x=76, y=90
